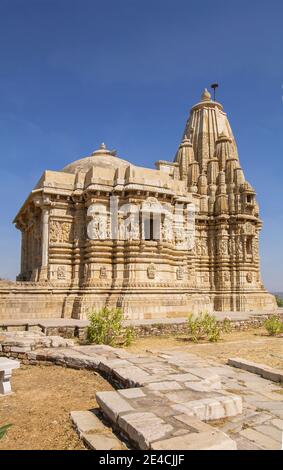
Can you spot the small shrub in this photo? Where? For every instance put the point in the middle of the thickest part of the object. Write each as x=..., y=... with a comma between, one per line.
x=226, y=325
x=106, y=327
x=203, y=326
x=4, y=429
x=273, y=325
x=279, y=301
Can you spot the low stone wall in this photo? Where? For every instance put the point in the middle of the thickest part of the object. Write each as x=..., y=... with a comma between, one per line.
x=166, y=329
x=141, y=330
x=21, y=344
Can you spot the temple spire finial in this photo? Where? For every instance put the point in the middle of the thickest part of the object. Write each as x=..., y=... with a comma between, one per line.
x=206, y=96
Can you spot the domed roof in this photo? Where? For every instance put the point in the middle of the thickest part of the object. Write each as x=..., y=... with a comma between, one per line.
x=101, y=158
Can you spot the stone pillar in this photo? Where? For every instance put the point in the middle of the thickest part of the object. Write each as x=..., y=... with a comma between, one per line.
x=45, y=229
x=44, y=243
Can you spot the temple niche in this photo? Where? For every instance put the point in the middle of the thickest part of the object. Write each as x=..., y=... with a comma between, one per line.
x=157, y=242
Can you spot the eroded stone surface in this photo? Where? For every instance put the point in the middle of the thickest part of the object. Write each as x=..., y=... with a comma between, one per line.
x=207, y=440
x=144, y=428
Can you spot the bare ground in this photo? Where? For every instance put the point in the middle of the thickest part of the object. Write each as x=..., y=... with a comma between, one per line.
x=39, y=409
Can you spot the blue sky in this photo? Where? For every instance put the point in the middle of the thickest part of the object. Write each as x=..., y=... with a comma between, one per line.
x=74, y=73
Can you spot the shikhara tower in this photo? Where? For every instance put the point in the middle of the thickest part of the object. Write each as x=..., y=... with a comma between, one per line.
x=66, y=273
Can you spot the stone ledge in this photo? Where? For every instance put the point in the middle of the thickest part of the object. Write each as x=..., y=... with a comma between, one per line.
x=94, y=434
x=276, y=375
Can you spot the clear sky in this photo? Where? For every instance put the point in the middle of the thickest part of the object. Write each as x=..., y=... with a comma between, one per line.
x=74, y=73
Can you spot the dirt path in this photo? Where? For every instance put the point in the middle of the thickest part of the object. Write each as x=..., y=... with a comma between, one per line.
x=39, y=409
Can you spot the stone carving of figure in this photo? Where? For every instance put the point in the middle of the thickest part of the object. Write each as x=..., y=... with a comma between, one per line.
x=205, y=277
x=103, y=272
x=249, y=277
x=180, y=234
x=180, y=272
x=131, y=227
x=255, y=246
x=65, y=232
x=61, y=272
x=203, y=247
x=191, y=240
x=102, y=222
x=53, y=231
x=248, y=228
x=151, y=270
x=226, y=276
x=97, y=228
x=239, y=247
x=223, y=247
x=198, y=247
x=60, y=232
x=167, y=230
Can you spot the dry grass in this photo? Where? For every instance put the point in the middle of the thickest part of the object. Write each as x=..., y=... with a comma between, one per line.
x=254, y=345
x=39, y=409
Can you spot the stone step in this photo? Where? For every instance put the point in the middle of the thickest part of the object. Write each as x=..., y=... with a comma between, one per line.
x=150, y=421
x=94, y=433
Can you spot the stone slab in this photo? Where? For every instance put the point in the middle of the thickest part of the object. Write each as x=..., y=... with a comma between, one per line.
x=112, y=404
x=276, y=375
x=207, y=440
x=131, y=393
x=86, y=421
x=208, y=409
x=132, y=376
x=260, y=439
x=143, y=428
x=163, y=386
x=10, y=364
x=270, y=431
x=194, y=424
x=102, y=441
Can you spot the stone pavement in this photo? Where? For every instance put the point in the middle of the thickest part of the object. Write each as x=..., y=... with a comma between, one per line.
x=176, y=400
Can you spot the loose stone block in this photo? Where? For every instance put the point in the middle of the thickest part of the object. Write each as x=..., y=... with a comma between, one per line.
x=6, y=367
x=101, y=441
x=20, y=349
x=86, y=421
x=112, y=404
x=143, y=428
x=212, y=408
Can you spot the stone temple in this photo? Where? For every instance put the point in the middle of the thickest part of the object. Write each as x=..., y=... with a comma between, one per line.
x=185, y=237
